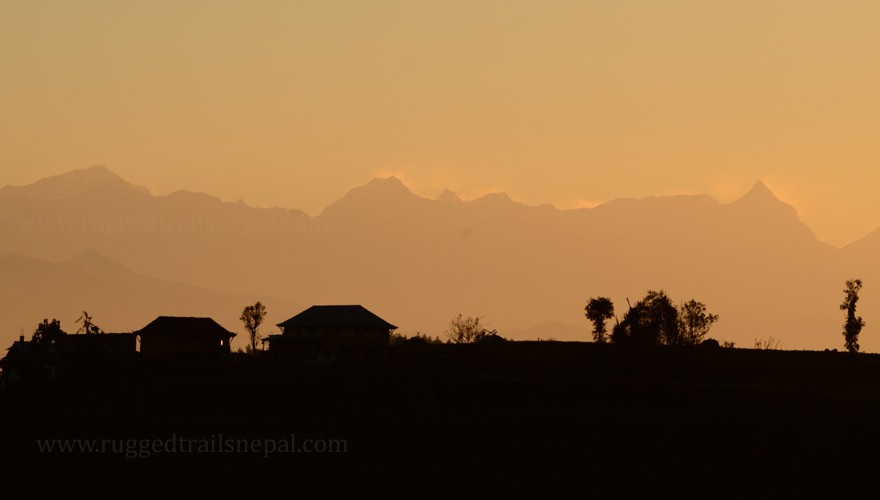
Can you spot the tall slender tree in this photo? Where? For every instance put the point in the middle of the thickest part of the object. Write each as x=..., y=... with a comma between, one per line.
x=252, y=317
x=854, y=324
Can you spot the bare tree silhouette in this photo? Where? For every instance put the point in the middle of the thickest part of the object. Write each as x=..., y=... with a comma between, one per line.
x=87, y=326
x=467, y=330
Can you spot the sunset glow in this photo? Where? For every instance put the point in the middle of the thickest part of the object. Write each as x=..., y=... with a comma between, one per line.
x=293, y=103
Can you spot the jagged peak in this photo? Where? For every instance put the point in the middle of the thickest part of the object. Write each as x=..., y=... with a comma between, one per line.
x=98, y=170
x=759, y=192
x=762, y=208
x=380, y=187
x=93, y=174
x=761, y=200
x=761, y=186
x=448, y=196
x=91, y=259
x=89, y=254
x=385, y=186
x=78, y=182
x=374, y=193
x=496, y=197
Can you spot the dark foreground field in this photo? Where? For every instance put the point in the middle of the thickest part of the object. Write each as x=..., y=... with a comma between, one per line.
x=545, y=419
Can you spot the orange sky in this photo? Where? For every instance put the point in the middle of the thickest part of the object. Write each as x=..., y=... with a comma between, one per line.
x=563, y=102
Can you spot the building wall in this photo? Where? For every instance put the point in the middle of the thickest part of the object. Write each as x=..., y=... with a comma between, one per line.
x=330, y=344
x=106, y=347
x=164, y=346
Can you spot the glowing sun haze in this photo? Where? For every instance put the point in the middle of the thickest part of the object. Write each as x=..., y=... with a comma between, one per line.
x=564, y=102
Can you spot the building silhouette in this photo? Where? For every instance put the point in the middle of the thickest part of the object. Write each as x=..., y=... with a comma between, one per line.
x=183, y=337
x=330, y=333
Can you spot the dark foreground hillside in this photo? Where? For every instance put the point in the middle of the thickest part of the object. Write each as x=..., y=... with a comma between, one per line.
x=490, y=421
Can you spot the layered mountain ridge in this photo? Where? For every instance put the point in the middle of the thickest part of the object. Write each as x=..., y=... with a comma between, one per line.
x=418, y=262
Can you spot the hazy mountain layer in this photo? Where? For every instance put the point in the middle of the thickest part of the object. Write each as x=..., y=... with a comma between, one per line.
x=117, y=299
x=417, y=262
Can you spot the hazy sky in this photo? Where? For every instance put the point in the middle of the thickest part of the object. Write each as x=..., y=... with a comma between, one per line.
x=291, y=103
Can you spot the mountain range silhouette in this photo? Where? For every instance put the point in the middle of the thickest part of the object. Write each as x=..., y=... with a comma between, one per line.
x=420, y=261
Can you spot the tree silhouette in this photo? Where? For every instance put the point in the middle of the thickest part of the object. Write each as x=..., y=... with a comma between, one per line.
x=48, y=332
x=854, y=324
x=252, y=316
x=467, y=330
x=87, y=326
x=653, y=320
x=694, y=322
x=597, y=311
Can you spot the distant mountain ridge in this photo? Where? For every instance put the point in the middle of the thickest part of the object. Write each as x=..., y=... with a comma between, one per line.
x=118, y=299
x=418, y=261
x=89, y=181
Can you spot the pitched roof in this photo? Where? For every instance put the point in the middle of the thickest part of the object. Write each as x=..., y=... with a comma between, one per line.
x=17, y=349
x=179, y=325
x=336, y=316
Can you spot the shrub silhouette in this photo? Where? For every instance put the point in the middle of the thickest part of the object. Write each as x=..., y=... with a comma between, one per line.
x=597, y=311
x=48, y=332
x=653, y=320
x=854, y=324
x=694, y=322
